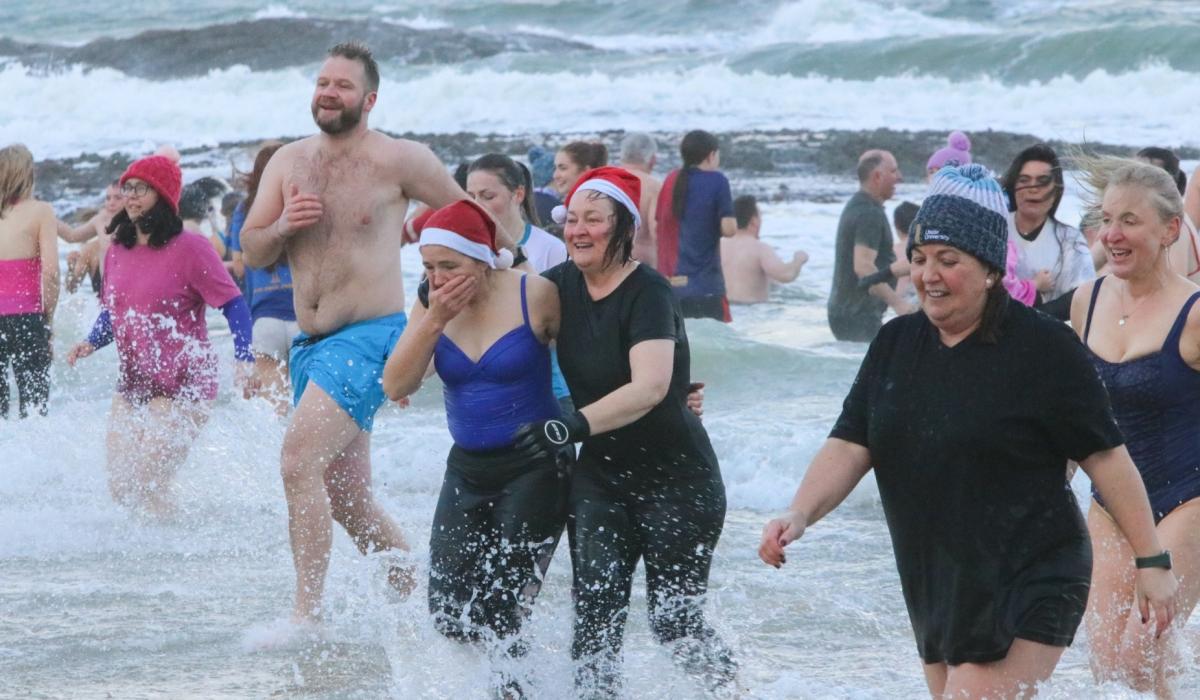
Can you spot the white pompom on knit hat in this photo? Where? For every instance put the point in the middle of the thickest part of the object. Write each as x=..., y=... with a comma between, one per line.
x=466, y=228
x=617, y=183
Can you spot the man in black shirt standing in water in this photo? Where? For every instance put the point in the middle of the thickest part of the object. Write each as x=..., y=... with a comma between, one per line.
x=864, y=247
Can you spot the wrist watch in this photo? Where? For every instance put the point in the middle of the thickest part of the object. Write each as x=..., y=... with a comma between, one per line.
x=1158, y=561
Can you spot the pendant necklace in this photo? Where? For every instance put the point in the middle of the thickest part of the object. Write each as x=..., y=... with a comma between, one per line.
x=1125, y=316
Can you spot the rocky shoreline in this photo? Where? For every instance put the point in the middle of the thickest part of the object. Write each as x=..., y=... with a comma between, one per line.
x=69, y=182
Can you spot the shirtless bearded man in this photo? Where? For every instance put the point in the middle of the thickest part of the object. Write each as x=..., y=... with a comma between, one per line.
x=334, y=204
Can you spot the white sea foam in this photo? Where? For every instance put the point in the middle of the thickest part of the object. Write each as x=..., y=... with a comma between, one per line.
x=420, y=22
x=818, y=21
x=238, y=104
x=806, y=21
x=277, y=11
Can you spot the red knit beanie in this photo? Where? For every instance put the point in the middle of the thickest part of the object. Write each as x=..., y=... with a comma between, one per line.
x=162, y=174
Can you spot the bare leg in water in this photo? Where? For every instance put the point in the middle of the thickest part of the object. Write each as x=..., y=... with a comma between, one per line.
x=146, y=445
x=326, y=474
x=1015, y=676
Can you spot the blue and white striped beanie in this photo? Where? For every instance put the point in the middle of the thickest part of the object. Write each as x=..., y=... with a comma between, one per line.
x=966, y=209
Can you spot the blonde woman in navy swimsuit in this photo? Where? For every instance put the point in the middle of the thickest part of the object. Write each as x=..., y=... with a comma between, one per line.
x=1141, y=325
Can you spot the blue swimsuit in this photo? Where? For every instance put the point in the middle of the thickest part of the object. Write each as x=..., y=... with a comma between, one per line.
x=486, y=401
x=1156, y=401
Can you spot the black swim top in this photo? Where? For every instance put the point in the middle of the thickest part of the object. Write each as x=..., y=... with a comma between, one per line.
x=1156, y=401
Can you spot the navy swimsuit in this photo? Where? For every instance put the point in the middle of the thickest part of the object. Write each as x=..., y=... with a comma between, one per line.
x=487, y=400
x=1156, y=401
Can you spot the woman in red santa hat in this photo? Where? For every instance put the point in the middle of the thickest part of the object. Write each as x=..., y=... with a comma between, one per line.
x=647, y=484
x=487, y=330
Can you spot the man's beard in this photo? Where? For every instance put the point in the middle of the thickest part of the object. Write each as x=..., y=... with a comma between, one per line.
x=346, y=120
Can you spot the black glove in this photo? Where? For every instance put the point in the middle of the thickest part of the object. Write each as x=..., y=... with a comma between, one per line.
x=423, y=292
x=885, y=275
x=543, y=439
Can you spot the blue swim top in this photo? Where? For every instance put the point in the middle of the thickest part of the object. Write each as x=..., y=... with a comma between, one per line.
x=1156, y=401
x=486, y=401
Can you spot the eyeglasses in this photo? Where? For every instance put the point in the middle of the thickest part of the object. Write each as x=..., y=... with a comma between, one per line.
x=139, y=189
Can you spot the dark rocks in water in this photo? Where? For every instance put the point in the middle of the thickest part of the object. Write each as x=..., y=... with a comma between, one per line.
x=744, y=154
x=271, y=44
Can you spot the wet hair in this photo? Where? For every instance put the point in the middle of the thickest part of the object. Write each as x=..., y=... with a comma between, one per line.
x=358, y=51
x=210, y=186
x=527, y=208
x=745, y=208
x=638, y=148
x=1041, y=153
x=510, y=174
x=230, y=202
x=1102, y=172
x=160, y=222
x=695, y=147
x=868, y=163
x=1166, y=159
x=193, y=203
x=620, y=239
x=994, y=308
x=586, y=154
x=460, y=174
x=16, y=175
x=903, y=215
x=252, y=180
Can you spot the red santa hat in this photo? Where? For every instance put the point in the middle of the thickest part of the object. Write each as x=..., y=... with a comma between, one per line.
x=466, y=228
x=618, y=183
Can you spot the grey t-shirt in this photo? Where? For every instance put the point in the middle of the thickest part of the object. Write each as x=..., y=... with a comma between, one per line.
x=863, y=222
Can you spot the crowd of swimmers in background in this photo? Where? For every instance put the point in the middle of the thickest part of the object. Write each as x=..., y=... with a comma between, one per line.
x=552, y=307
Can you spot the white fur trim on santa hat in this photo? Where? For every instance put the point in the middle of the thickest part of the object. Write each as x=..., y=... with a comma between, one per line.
x=504, y=259
x=460, y=244
x=606, y=187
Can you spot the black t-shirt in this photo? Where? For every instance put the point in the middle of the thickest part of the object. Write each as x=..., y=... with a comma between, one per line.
x=970, y=446
x=668, y=443
x=863, y=222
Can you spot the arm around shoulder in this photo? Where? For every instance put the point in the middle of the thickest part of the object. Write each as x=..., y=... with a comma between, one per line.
x=651, y=364
x=544, y=307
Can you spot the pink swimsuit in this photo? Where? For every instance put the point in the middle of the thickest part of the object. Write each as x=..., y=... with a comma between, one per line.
x=20, y=286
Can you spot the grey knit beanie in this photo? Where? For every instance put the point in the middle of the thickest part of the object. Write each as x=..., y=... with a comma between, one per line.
x=965, y=208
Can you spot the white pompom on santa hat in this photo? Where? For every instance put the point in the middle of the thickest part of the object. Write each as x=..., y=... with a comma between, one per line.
x=618, y=183
x=466, y=228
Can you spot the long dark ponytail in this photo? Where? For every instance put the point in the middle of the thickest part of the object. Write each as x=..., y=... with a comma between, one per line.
x=696, y=146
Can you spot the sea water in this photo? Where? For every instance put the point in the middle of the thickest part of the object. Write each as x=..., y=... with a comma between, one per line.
x=96, y=603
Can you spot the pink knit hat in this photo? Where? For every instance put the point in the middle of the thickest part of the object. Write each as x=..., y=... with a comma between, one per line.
x=957, y=151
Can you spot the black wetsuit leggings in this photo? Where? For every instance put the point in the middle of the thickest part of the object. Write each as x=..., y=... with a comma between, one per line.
x=25, y=347
x=497, y=522
x=673, y=530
